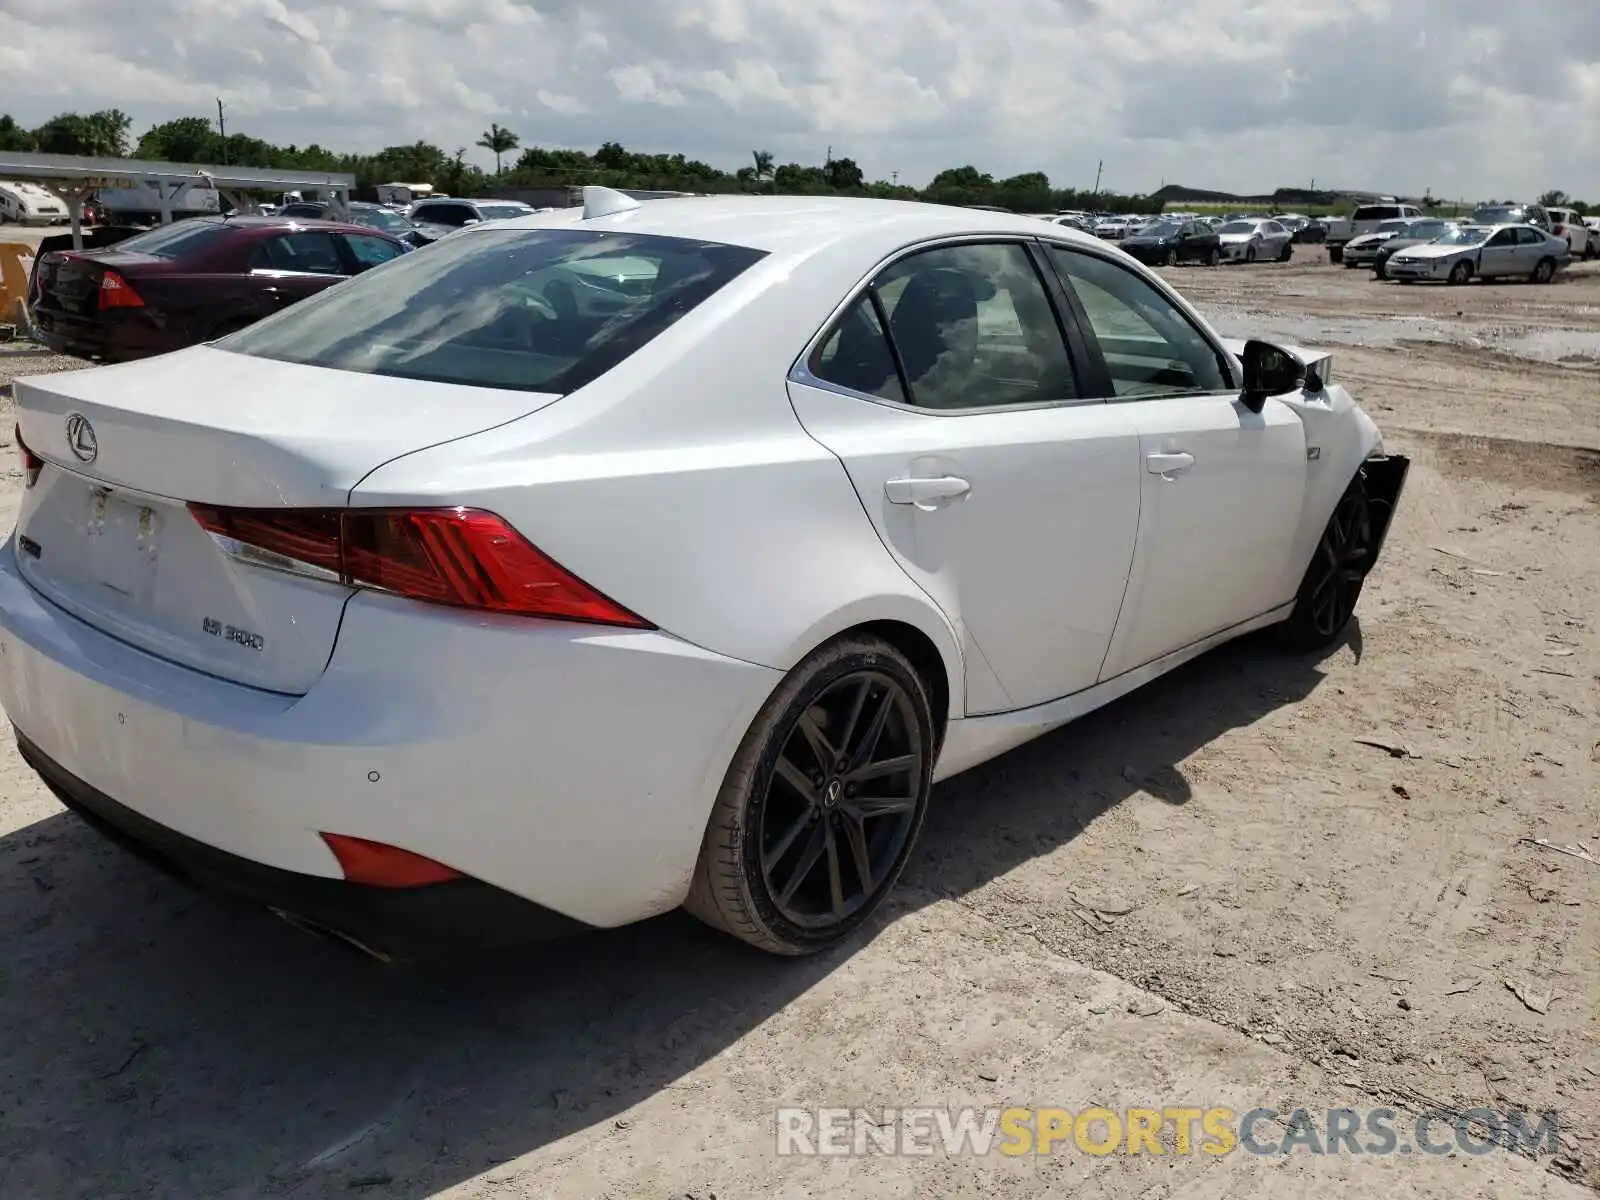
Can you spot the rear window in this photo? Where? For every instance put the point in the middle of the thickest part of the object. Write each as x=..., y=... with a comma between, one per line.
x=1377, y=212
x=539, y=310
x=175, y=240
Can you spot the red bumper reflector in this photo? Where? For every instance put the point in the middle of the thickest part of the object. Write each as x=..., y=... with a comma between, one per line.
x=378, y=865
x=32, y=464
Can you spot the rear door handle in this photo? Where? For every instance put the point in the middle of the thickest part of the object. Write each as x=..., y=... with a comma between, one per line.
x=925, y=491
x=1168, y=465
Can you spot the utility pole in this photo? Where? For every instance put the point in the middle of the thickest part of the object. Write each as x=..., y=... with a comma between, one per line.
x=1099, y=168
x=222, y=131
x=894, y=178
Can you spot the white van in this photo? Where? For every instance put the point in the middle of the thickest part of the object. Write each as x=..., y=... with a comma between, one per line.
x=30, y=204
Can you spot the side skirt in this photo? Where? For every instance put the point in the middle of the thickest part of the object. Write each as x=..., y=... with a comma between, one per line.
x=973, y=740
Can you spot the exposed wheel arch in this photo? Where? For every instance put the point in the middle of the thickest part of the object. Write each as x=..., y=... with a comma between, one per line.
x=920, y=650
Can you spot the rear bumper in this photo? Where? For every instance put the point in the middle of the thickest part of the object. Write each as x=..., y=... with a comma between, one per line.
x=571, y=766
x=424, y=923
x=120, y=340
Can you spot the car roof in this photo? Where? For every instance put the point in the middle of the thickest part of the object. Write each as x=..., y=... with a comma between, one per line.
x=798, y=226
x=264, y=223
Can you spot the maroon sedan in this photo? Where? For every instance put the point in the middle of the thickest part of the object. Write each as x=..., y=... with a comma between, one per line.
x=192, y=281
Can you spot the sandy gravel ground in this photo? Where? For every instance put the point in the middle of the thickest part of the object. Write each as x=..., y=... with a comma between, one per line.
x=1211, y=893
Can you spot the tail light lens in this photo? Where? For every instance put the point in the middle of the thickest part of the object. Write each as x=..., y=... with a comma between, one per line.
x=32, y=464
x=458, y=556
x=115, y=292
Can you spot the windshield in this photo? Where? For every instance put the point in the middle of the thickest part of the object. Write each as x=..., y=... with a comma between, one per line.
x=381, y=218
x=538, y=310
x=1499, y=216
x=175, y=240
x=1160, y=229
x=1427, y=229
x=1470, y=235
x=503, y=212
x=1238, y=227
x=1394, y=226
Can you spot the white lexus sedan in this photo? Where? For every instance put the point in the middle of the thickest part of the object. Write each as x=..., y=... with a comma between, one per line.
x=623, y=558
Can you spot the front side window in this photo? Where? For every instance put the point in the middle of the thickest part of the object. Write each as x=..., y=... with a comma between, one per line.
x=1506, y=237
x=1150, y=347
x=539, y=310
x=370, y=251
x=1529, y=236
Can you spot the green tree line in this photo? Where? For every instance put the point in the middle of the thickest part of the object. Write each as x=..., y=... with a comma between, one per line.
x=196, y=140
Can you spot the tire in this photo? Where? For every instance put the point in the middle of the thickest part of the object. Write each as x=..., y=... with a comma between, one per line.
x=787, y=835
x=1169, y=257
x=1250, y=253
x=1544, y=271
x=1461, y=273
x=1332, y=583
x=1288, y=252
x=1336, y=254
x=1590, y=253
x=1214, y=256
x=1379, y=271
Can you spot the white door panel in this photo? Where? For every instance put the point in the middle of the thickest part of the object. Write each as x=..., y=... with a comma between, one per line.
x=1028, y=554
x=1222, y=490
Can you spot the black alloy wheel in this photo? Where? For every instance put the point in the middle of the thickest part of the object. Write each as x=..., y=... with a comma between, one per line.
x=841, y=801
x=822, y=803
x=1338, y=569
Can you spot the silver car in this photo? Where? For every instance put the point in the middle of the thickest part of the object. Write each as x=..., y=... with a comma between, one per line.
x=1485, y=251
x=1255, y=239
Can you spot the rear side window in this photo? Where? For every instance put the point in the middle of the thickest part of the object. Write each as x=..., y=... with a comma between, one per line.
x=539, y=310
x=310, y=253
x=176, y=240
x=856, y=354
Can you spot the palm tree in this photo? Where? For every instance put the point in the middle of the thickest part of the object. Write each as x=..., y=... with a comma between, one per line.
x=763, y=164
x=499, y=140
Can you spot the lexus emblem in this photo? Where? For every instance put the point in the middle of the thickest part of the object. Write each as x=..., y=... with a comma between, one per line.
x=80, y=436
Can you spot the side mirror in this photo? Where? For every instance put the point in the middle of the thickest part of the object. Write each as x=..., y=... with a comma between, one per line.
x=1268, y=371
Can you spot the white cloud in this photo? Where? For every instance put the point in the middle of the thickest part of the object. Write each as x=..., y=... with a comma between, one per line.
x=1468, y=97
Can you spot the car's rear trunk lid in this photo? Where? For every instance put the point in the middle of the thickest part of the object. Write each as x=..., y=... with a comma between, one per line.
x=105, y=532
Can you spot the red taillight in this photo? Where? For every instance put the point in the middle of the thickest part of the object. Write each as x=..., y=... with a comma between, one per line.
x=378, y=865
x=32, y=464
x=116, y=293
x=458, y=556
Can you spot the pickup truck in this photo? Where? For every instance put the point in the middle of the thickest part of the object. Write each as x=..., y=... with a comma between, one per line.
x=1365, y=219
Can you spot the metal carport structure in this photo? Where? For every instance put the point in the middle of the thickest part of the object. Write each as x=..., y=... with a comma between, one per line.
x=72, y=178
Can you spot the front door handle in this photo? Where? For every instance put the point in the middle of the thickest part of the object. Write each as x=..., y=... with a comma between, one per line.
x=1168, y=465
x=925, y=491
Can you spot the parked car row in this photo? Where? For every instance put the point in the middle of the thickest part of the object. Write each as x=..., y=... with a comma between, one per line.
x=193, y=281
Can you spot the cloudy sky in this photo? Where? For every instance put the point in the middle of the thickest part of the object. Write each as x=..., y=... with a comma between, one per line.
x=1471, y=98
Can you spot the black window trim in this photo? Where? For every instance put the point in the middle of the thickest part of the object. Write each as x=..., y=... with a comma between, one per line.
x=1225, y=359
x=803, y=370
